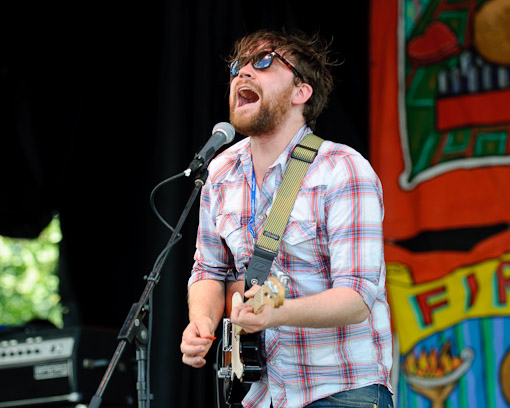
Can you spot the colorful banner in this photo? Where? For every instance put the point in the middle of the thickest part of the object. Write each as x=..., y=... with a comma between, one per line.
x=440, y=141
x=440, y=121
x=472, y=291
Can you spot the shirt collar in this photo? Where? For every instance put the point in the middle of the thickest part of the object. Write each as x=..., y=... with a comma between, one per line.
x=244, y=161
x=284, y=158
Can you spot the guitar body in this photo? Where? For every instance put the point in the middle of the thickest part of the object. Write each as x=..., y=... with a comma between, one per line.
x=245, y=360
x=251, y=362
x=243, y=354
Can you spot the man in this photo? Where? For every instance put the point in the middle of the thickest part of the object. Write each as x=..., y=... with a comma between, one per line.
x=330, y=341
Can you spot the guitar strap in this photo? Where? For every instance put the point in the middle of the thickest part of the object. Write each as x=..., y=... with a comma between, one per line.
x=268, y=243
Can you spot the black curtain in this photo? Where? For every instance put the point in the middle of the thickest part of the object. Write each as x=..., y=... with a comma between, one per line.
x=99, y=102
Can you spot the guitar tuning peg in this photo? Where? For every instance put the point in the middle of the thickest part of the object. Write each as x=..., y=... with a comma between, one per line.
x=283, y=278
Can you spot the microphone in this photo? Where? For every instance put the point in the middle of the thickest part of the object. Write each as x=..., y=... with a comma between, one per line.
x=222, y=133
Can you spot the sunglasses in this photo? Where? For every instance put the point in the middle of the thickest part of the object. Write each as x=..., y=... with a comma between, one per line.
x=263, y=61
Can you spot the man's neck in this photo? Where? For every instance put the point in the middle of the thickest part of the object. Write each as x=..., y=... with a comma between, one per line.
x=265, y=149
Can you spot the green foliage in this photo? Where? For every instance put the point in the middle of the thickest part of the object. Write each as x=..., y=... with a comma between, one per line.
x=28, y=278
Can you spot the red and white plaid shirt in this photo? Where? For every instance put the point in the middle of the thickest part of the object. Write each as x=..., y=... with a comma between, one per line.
x=334, y=238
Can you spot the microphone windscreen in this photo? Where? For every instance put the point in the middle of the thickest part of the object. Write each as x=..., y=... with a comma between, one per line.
x=227, y=129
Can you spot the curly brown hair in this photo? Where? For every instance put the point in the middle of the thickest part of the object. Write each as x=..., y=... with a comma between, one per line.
x=310, y=55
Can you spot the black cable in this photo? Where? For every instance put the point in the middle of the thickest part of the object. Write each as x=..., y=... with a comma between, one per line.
x=148, y=364
x=163, y=253
x=153, y=205
x=220, y=345
x=145, y=304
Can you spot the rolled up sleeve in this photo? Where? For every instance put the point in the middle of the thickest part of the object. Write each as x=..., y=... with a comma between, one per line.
x=355, y=214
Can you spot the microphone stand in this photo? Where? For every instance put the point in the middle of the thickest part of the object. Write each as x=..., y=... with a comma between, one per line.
x=133, y=327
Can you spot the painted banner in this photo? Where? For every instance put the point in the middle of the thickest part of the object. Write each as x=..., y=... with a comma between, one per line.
x=440, y=142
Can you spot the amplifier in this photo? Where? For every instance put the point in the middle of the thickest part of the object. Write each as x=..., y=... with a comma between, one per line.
x=63, y=367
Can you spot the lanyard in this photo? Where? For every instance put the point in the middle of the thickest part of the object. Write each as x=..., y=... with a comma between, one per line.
x=251, y=223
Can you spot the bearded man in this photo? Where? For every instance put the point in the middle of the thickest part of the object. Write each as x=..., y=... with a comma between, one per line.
x=329, y=343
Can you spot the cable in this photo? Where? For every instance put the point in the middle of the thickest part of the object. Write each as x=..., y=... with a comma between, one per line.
x=154, y=275
x=220, y=345
x=153, y=205
x=148, y=364
x=162, y=254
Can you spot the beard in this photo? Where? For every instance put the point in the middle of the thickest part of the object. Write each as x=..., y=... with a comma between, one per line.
x=271, y=114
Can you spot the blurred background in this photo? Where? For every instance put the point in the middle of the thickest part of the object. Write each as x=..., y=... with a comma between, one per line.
x=101, y=101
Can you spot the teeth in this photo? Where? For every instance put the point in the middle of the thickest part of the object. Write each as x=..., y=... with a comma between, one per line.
x=244, y=88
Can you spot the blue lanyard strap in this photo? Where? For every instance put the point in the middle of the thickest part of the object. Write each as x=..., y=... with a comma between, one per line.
x=251, y=223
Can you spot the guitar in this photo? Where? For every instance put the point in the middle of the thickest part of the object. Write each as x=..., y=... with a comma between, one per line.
x=243, y=358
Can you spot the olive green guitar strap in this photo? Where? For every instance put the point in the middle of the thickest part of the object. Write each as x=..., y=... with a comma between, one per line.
x=268, y=243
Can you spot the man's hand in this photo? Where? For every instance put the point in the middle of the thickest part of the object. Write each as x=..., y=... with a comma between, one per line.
x=242, y=315
x=197, y=339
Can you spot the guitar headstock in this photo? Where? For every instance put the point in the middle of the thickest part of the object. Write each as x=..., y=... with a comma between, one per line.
x=272, y=293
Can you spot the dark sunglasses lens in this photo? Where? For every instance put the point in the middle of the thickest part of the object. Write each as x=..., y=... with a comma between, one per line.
x=234, y=68
x=263, y=62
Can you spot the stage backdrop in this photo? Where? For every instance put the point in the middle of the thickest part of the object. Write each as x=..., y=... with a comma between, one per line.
x=440, y=141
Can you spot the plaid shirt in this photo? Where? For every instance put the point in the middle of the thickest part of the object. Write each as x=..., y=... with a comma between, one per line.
x=334, y=238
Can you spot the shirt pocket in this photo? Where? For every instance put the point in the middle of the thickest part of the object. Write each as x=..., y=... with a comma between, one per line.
x=301, y=257
x=299, y=238
x=230, y=228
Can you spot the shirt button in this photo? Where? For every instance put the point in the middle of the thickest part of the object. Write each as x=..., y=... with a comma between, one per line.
x=260, y=217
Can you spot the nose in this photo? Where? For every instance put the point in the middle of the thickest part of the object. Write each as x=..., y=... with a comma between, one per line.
x=247, y=71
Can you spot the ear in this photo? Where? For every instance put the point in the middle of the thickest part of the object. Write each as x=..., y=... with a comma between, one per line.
x=302, y=93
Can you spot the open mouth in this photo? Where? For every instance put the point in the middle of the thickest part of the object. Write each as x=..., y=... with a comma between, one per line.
x=246, y=95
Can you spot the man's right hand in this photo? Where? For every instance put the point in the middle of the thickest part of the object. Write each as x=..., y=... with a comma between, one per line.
x=197, y=339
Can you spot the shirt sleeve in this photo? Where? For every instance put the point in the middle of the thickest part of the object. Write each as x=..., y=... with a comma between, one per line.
x=355, y=213
x=212, y=259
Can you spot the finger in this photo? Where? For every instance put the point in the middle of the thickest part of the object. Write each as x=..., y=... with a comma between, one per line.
x=204, y=331
x=239, y=313
x=192, y=349
x=246, y=310
x=251, y=292
x=243, y=317
x=199, y=328
x=193, y=336
x=243, y=307
x=197, y=341
x=193, y=361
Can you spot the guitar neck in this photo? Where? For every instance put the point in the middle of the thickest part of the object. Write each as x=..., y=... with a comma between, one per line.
x=256, y=301
x=271, y=293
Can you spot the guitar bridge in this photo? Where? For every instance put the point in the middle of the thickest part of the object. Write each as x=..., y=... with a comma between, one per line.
x=225, y=373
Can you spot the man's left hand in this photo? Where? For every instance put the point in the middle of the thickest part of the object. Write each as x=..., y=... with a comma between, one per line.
x=242, y=315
